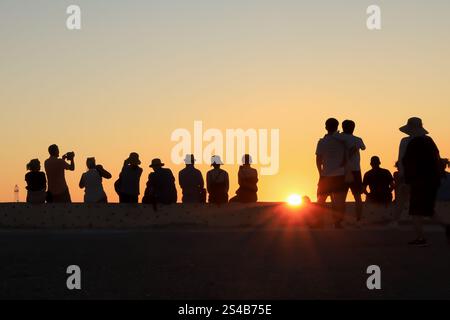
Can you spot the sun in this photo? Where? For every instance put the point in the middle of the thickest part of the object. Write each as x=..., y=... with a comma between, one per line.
x=294, y=200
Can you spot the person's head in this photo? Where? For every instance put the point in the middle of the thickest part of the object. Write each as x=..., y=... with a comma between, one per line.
x=348, y=126
x=189, y=160
x=216, y=162
x=414, y=127
x=53, y=150
x=331, y=125
x=133, y=159
x=156, y=164
x=34, y=165
x=375, y=162
x=90, y=163
x=247, y=160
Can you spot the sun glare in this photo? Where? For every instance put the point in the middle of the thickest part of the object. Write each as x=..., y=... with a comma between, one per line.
x=294, y=200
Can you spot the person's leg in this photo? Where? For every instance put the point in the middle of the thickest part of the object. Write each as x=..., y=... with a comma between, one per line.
x=401, y=201
x=358, y=206
x=418, y=228
x=338, y=200
x=357, y=192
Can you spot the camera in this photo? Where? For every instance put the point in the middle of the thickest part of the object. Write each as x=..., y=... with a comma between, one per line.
x=69, y=155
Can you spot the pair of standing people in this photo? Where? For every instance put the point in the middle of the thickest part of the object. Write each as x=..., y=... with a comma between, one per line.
x=338, y=164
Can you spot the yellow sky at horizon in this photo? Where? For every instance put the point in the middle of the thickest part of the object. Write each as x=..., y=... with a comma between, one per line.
x=137, y=72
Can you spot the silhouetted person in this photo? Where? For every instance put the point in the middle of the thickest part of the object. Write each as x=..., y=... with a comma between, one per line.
x=444, y=190
x=36, y=183
x=161, y=185
x=423, y=173
x=91, y=181
x=402, y=189
x=247, y=179
x=55, y=167
x=380, y=183
x=127, y=186
x=330, y=158
x=353, y=164
x=217, y=182
x=191, y=182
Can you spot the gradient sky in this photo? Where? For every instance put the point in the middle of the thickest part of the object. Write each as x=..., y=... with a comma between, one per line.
x=140, y=69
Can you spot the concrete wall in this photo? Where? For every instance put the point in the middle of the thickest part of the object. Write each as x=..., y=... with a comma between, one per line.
x=119, y=216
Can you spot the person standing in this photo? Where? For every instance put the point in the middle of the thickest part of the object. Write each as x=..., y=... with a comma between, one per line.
x=160, y=186
x=191, y=182
x=380, y=183
x=353, y=164
x=330, y=159
x=423, y=173
x=247, y=179
x=127, y=186
x=217, y=182
x=36, y=183
x=91, y=181
x=55, y=167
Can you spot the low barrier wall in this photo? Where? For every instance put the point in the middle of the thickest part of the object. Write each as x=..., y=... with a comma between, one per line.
x=121, y=216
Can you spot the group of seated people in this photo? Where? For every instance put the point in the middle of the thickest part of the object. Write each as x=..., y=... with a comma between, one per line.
x=160, y=186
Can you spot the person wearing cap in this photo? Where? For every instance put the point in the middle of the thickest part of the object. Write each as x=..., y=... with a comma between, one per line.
x=191, y=182
x=127, y=186
x=217, y=182
x=380, y=183
x=91, y=182
x=160, y=186
x=36, y=183
x=422, y=172
x=247, y=179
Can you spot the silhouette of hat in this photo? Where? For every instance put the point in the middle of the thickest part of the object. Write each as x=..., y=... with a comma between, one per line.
x=414, y=127
x=189, y=159
x=216, y=160
x=156, y=163
x=134, y=159
x=247, y=159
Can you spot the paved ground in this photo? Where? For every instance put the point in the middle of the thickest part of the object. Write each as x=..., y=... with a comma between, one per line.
x=223, y=264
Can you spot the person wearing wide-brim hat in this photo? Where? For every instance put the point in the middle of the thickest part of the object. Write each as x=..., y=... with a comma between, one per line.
x=422, y=172
x=127, y=186
x=413, y=128
x=191, y=182
x=217, y=182
x=161, y=185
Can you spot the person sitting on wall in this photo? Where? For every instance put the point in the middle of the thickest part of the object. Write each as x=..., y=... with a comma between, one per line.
x=160, y=186
x=191, y=182
x=91, y=181
x=247, y=179
x=380, y=183
x=217, y=182
x=36, y=183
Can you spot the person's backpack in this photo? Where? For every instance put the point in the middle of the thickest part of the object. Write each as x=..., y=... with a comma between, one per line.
x=117, y=185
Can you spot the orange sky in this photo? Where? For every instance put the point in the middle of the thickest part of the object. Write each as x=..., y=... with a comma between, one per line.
x=138, y=71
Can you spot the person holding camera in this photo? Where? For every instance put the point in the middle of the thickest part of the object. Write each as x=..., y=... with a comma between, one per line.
x=55, y=167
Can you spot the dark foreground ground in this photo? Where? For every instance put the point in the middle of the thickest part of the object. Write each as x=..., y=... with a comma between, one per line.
x=223, y=264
